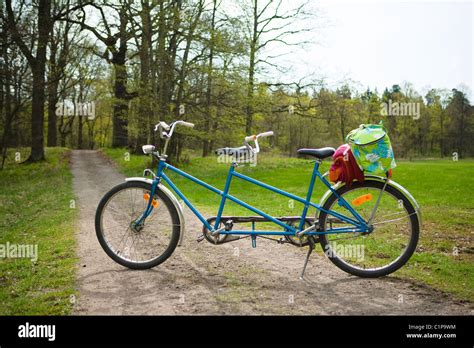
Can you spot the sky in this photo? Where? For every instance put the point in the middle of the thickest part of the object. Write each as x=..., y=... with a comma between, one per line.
x=386, y=42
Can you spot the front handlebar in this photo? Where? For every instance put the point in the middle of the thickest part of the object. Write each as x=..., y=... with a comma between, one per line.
x=166, y=131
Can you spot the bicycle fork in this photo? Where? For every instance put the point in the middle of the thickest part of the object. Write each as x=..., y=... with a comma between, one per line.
x=149, y=208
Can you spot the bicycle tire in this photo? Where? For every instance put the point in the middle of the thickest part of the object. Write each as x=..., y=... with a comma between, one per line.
x=175, y=233
x=392, y=267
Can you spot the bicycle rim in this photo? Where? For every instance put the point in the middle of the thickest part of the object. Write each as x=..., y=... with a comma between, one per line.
x=132, y=244
x=385, y=249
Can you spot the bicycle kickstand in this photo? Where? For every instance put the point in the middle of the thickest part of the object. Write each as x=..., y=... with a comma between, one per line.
x=311, y=247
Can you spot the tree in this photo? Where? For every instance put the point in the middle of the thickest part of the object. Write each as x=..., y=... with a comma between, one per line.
x=267, y=22
x=437, y=113
x=146, y=60
x=210, y=67
x=35, y=53
x=13, y=73
x=115, y=42
x=459, y=110
x=37, y=61
x=59, y=58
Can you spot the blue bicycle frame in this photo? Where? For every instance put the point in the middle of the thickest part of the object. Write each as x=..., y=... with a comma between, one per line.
x=358, y=223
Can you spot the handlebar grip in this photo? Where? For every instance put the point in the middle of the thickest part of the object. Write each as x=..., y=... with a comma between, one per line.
x=187, y=124
x=163, y=125
x=265, y=134
x=250, y=138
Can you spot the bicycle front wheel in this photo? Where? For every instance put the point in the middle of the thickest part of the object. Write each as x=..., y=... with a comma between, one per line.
x=388, y=247
x=137, y=246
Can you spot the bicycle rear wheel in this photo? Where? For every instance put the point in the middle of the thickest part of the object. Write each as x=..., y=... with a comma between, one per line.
x=388, y=247
x=137, y=246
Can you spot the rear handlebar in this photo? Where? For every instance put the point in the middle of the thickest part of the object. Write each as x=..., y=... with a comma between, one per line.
x=255, y=139
x=261, y=135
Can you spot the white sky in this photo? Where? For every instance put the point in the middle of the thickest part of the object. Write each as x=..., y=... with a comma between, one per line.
x=385, y=42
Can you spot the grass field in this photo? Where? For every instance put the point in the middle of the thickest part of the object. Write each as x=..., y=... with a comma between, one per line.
x=443, y=188
x=35, y=206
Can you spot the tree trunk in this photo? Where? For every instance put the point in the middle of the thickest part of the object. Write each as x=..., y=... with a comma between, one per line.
x=52, y=95
x=122, y=97
x=79, y=132
x=120, y=115
x=57, y=65
x=6, y=101
x=182, y=77
x=161, y=58
x=207, y=116
x=37, y=114
x=90, y=135
x=38, y=70
x=144, y=102
x=52, y=117
x=441, y=135
x=251, y=76
x=63, y=140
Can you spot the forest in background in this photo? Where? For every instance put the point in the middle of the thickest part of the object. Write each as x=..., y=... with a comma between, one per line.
x=93, y=74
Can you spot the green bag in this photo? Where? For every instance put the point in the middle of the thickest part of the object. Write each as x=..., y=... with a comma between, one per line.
x=371, y=148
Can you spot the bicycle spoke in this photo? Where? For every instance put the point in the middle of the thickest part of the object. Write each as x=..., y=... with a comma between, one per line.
x=340, y=238
x=116, y=211
x=123, y=236
x=393, y=220
x=132, y=205
x=110, y=227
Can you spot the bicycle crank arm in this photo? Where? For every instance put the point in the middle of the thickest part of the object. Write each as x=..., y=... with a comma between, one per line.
x=201, y=237
x=217, y=232
x=309, y=229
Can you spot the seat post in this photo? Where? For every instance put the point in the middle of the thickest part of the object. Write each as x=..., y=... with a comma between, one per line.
x=313, y=179
x=310, y=193
x=224, y=194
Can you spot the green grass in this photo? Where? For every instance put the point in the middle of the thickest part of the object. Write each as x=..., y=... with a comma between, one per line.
x=443, y=188
x=35, y=210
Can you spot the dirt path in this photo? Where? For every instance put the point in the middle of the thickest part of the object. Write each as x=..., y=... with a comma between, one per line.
x=233, y=278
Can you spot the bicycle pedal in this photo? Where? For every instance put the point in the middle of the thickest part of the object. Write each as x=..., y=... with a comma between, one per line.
x=200, y=238
x=281, y=240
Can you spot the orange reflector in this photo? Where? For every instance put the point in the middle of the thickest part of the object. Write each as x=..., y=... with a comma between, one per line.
x=362, y=199
x=154, y=202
